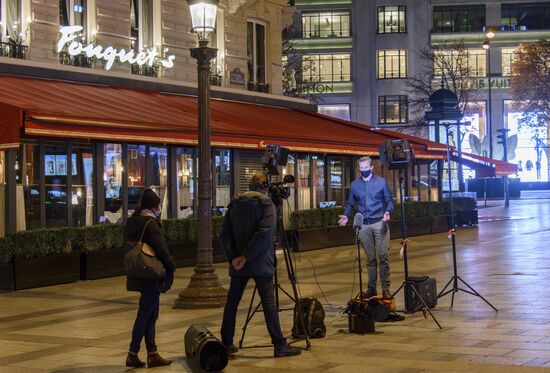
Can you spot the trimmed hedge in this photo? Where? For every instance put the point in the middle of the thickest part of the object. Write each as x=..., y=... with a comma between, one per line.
x=315, y=218
x=99, y=237
x=322, y=218
x=6, y=254
x=42, y=242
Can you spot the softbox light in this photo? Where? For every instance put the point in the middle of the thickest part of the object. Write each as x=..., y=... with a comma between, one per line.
x=207, y=350
x=396, y=154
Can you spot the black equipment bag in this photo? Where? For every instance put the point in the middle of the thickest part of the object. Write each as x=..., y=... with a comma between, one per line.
x=360, y=324
x=314, y=316
x=427, y=289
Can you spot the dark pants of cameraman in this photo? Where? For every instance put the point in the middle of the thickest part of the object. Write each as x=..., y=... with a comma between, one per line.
x=271, y=314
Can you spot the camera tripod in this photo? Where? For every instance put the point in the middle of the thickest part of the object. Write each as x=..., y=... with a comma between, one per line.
x=408, y=284
x=283, y=244
x=455, y=277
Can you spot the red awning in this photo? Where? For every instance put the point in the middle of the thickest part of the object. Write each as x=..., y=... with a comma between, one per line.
x=77, y=110
x=10, y=126
x=485, y=167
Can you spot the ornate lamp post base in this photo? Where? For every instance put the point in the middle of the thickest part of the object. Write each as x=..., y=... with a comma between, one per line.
x=204, y=290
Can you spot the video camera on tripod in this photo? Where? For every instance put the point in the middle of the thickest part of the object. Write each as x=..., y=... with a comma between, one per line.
x=274, y=156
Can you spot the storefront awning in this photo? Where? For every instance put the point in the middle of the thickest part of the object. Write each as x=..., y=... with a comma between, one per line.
x=62, y=109
x=485, y=167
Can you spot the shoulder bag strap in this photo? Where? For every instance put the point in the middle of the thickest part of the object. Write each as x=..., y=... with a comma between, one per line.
x=144, y=228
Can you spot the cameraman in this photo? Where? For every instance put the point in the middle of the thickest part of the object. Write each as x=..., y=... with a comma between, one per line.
x=247, y=238
x=371, y=196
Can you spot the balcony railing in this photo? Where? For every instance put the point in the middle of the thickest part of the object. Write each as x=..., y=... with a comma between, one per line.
x=13, y=50
x=80, y=60
x=216, y=80
x=152, y=71
x=258, y=87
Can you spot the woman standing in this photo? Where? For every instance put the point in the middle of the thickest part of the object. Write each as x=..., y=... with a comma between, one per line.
x=150, y=290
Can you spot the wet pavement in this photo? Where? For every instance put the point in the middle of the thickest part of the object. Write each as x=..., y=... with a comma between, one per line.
x=85, y=326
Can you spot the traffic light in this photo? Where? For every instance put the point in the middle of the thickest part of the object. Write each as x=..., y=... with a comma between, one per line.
x=502, y=134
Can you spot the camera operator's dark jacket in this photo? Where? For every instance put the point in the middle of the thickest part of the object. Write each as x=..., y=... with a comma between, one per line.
x=247, y=230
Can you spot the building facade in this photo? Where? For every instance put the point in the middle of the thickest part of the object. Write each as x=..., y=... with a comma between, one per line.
x=360, y=55
x=98, y=103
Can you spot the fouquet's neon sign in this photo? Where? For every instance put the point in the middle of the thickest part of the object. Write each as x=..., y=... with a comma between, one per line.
x=69, y=34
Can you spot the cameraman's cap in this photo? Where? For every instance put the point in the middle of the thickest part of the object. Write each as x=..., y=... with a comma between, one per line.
x=257, y=181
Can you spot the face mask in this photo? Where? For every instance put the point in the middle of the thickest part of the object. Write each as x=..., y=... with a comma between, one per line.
x=366, y=174
x=157, y=214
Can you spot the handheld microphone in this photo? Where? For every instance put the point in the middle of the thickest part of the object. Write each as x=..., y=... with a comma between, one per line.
x=358, y=221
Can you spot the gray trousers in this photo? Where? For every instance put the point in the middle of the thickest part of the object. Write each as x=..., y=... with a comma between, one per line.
x=377, y=236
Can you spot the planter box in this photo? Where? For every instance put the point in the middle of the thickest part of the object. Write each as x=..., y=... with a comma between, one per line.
x=318, y=238
x=7, y=281
x=101, y=264
x=468, y=218
x=419, y=226
x=440, y=224
x=47, y=270
x=396, y=229
x=185, y=253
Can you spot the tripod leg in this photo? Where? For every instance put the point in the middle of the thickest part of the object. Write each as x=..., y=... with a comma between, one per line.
x=442, y=292
x=453, y=297
x=398, y=290
x=292, y=276
x=477, y=294
x=426, y=308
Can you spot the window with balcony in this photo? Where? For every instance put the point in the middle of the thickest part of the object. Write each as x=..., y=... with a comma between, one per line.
x=392, y=109
x=73, y=13
x=509, y=56
x=392, y=64
x=525, y=16
x=473, y=63
x=326, y=68
x=256, y=54
x=392, y=19
x=14, y=31
x=141, y=32
x=333, y=24
x=459, y=18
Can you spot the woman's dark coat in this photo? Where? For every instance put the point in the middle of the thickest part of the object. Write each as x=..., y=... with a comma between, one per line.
x=153, y=237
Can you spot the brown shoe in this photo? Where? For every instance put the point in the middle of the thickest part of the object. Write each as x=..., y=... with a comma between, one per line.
x=133, y=361
x=155, y=360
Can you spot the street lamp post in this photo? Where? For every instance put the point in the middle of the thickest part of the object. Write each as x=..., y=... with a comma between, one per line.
x=487, y=46
x=204, y=289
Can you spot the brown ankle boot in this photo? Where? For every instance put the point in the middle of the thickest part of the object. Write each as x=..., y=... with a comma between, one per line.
x=155, y=360
x=133, y=361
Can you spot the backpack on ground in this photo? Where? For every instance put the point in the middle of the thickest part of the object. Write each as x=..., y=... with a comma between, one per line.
x=314, y=317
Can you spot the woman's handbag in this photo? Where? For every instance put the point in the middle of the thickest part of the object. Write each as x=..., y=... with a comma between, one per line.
x=140, y=261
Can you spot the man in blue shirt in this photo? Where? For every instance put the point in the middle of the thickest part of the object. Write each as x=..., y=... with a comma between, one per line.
x=371, y=196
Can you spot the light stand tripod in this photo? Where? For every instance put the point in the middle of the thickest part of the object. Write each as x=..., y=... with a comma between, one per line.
x=407, y=284
x=283, y=243
x=455, y=277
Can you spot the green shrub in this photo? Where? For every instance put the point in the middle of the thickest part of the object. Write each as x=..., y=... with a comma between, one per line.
x=6, y=250
x=42, y=242
x=174, y=230
x=315, y=218
x=322, y=218
x=99, y=237
x=217, y=227
x=464, y=204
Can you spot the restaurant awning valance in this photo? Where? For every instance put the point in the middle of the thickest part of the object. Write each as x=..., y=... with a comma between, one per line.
x=62, y=109
x=53, y=108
